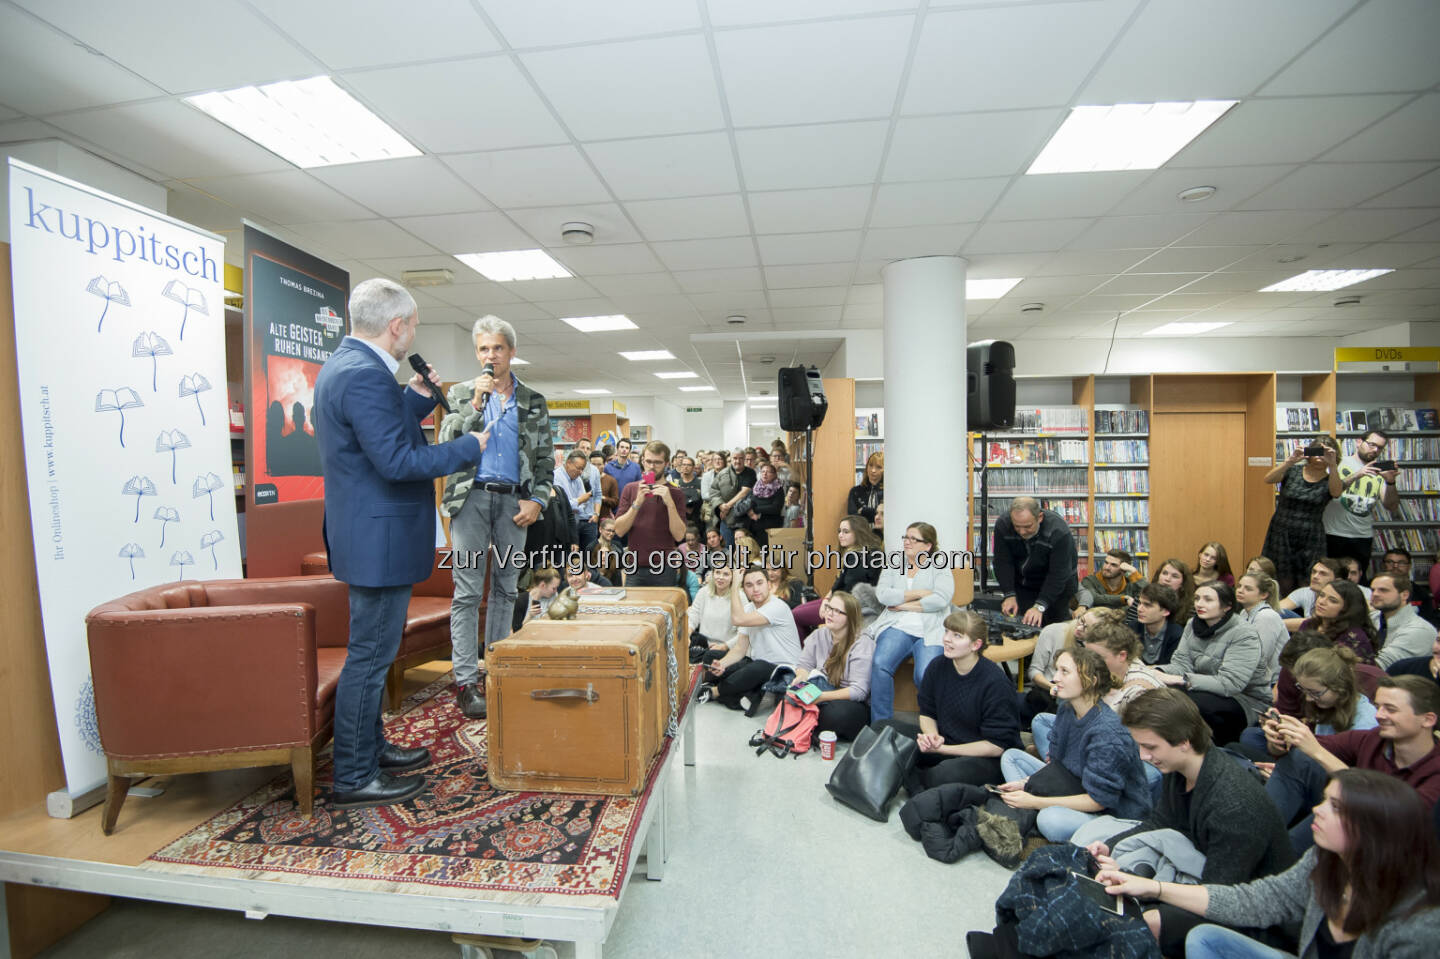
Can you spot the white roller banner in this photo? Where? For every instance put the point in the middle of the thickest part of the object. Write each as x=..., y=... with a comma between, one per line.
x=120, y=344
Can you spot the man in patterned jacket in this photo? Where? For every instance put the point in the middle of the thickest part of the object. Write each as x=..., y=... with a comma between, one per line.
x=490, y=506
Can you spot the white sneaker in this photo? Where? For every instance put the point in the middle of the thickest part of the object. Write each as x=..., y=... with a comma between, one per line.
x=745, y=703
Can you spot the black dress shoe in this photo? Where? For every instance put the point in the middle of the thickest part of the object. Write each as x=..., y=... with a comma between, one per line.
x=472, y=702
x=398, y=759
x=383, y=790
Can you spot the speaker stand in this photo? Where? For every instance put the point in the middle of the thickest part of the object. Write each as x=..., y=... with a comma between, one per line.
x=982, y=468
x=809, y=506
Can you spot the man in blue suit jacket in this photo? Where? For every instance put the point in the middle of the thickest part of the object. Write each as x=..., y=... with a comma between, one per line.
x=379, y=524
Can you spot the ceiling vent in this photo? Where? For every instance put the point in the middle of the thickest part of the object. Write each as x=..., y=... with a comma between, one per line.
x=577, y=232
x=427, y=277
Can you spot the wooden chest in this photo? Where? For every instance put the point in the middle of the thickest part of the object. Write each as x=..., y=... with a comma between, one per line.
x=576, y=706
x=672, y=603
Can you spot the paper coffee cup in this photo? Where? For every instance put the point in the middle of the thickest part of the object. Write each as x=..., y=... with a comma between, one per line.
x=827, y=744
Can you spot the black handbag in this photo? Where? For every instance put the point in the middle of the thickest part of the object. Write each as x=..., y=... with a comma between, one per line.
x=867, y=777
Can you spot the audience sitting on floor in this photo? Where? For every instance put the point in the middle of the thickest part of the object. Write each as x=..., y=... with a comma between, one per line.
x=765, y=642
x=1219, y=662
x=861, y=559
x=1258, y=606
x=1299, y=603
x=544, y=584
x=1342, y=616
x=711, y=628
x=783, y=581
x=1115, y=585
x=1261, y=564
x=1212, y=565
x=1426, y=667
x=1400, y=631
x=1332, y=701
x=1176, y=574
x=1039, y=698
x=837, y=659
x=1158, y=623
x=917, y=600
x=1397, y=561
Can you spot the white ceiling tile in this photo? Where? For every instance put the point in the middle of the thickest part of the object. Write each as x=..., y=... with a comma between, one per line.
x=636, y=284
x=1071, y=263
x=429, y=30
x=364, y=239
x=828, y=274
x=1150, y=284
x=962, y=52
x=651, y=167
x=1429, y=233
x=1026, y=236
x=784, y=249
x=438, y=106
x=706, y=254
x=690, y=218
x=165, y=42
x=607, y=259
x=414, y=186
x=1333, y=185
x=8, y=114
x=944, y=201
x=545, y=223
x=42, y=71
x=1283, y=130
x=797, y=211
x=1398, y=255
x=1238, y=281
x=723, y=282
x=1170, y=53
x=538, y=176
x=470, y=295
x=729, y=13
x=1065, y=195
x=468, y=232
x=803, y=316
x=635, y=89
x=1422, y=191
x=1350, y=58
x=550, y=291
x=1366, y=225
x=1200, y=259
x=898, y=243
x=818, y=296
x=1250, y=228
x=1233, y=185
x=973, y=145
x=1059, y=288
x=173, y=138
x=18, y=131
x=188, y=204
x=1137, y=232
x=543, y=23
x=813, y=72
x=789, y=158
x=866, y=293
x=1410, y=133
x=287, y=197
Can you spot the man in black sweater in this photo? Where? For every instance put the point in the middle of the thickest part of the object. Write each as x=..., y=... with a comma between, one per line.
x=1035, y=563
x=1207, y=796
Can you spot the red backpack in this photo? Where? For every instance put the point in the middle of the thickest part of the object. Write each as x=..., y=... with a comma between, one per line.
x=789, y=730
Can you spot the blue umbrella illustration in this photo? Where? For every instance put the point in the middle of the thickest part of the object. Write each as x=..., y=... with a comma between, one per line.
x=194, y=385
x=152, y=345
x=118, y=400
x=191, y=299
x=111, y=292
x=168, y=442
x=208, y=541
x=182, y=558
x=138, y=486
x=206, y=486
x=130, y=551
x=166, y=514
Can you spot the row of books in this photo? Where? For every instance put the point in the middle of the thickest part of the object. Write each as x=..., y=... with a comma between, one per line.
x=1417, y=509
x=1295, y=417
x=1051, y=419
x=1416, y=540
x=863, y=451
x=1003, y=452
x=1018, y=481
x=1401, y=448
x=1122, y=421
x=1122, y=451
x=869, y=424
x=1122, y=511
x=1388, y=418
x=1122, y=481
x=1419, y=479
x=1130, y=540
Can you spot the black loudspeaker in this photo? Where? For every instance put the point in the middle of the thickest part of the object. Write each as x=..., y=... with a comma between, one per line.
x=990, y=404
x=802, y=399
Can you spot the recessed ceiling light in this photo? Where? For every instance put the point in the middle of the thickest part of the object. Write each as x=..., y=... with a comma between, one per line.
x=1184, y=329
x=764, y=424
x=735, y=319
x=1323, y=281
x=1291, y=258
x=638, y=356
x=599, y=324
x=1125, y=136
x=1196, y=194
x=311, y=123
x=516, y=361
x=596, y=392
x=679, y=375
x=989, y=289
x=697, y=389
x=1033, y=308
x=511, y=265
x=1351, y=300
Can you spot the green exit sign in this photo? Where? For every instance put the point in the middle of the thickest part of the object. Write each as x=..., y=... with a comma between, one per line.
x=693, y=409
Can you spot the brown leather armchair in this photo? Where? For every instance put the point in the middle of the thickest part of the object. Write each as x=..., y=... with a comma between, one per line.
x=226, y=674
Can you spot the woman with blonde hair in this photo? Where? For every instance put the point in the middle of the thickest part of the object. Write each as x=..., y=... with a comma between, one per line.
x=783, y=581
x=1333, y=702
x=867, y=495
x=1039, y=699
x=837, y=659
x=1258, y=599
x=711, y=629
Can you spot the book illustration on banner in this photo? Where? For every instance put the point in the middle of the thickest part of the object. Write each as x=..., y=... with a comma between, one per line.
x=132, y=552
x=602, y=594
x=206, y=485
x=138, y=486
x=193, y=385
x=169, y=441
x=188, y=297
x=290, y=445
x=166, y=514
x=208, y=541
x=118, y=401
x=182, y=558
x=85, y=722
x=152, y=345
x=607, y=438
x=330, y=320
x=110, y=291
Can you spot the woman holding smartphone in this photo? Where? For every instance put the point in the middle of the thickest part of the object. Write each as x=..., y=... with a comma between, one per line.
x=837, y=660
x=1309, y=479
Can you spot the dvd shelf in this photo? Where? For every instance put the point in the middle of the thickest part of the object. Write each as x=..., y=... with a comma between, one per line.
x=1400, y=448
x=869, y=437
x=1136, y=542
x=1127, y=512
x=1049, y=452
x=1116, y=452
x=1064, y=420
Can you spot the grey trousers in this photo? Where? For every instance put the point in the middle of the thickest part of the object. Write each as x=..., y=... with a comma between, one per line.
x=483, y=531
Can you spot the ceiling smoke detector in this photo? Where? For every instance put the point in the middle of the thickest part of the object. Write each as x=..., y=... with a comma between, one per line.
x=427, y=278
x=577, y=232
x=1196, y=194
x=767, y=360
x=1033, y=308
x=735, y=319
x=1347, y=301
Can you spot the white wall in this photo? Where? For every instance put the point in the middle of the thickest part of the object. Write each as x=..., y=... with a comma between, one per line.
x=449, y=349
x=737, y=423
x=68, y=161
x=666, y=420
x=704, y=430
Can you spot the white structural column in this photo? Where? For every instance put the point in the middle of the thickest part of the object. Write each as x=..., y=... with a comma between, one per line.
x=736, y=426
x=925, y=440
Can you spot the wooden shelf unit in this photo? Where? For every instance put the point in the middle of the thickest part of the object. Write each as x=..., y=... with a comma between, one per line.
x=834, y=449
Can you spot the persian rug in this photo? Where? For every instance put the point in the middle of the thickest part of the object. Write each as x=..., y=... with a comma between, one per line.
x=460, y=833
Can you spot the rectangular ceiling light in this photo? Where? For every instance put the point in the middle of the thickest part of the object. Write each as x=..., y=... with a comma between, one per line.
x=516, y=361
x=311, y=123
x=1323, y=281
x=1126, y=136
x=679, y=375
x=1184, y=329
x=596, y=392
x=697, y=389
x=599, y=324
x=988, y=289
x=764, y=401
x=514, y=265
x=635, y=356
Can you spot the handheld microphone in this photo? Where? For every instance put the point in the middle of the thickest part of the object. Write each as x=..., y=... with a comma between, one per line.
x=487, y=370
x=421, y=367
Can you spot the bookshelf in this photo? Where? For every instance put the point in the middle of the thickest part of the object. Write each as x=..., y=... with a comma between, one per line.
x=834, y=456
x=869, y=436
x=1122, y=481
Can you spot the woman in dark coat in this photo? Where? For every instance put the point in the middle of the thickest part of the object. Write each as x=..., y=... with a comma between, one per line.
x=1296, y=538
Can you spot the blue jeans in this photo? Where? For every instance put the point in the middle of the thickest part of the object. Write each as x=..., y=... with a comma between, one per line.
x=1040, y=728
x=485, y=523
x=588, y=534
x=893, y=647
x=377, y=621
x=1056, y=823
x=1297, y=783
x=1217, y=942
